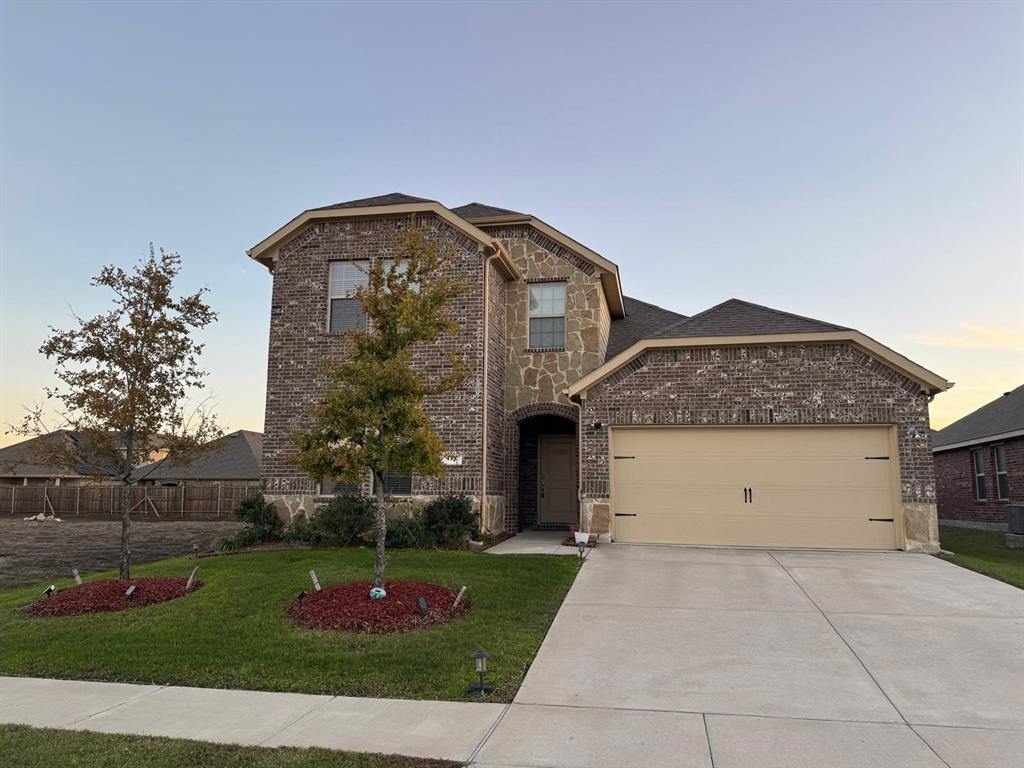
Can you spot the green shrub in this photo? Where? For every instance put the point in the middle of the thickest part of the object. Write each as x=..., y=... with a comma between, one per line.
x=450, y=521
x=346, y=521
x=262, y=523
x=408, y=533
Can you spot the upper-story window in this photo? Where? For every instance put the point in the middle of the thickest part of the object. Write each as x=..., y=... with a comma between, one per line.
x=346, y=310
x=1002, y=476
x=978, y=463
x=547, y=315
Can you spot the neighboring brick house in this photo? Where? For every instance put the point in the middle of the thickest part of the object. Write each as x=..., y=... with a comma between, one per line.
x=979, y=463
x=741, y=425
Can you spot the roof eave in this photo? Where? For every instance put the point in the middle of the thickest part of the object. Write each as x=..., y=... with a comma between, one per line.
x=267, y=250
x=980, y=440
x=931, y=383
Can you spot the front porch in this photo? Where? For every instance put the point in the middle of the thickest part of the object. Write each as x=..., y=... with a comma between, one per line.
x=544, y=469
x=533, y=542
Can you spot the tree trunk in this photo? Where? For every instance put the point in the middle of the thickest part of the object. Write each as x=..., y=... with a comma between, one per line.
x=382, y=529
x=124, y=572
x=126, y=498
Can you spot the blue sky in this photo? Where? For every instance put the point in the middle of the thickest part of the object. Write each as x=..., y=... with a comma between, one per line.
x=860, y=163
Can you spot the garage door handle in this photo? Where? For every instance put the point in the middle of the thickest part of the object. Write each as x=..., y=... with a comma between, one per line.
x=746, y=495
x=625, y=514
x=880, y=520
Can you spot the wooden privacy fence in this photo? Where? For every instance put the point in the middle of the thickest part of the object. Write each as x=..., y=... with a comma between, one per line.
x=217, y=499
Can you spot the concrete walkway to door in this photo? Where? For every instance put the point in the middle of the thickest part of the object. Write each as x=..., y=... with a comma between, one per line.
x=730, y=658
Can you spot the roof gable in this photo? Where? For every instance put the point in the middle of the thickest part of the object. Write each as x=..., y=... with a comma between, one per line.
x=735, y=317
x=1003, y=415
x=267, y=250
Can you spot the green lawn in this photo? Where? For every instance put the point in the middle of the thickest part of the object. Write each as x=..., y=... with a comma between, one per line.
x=983, y=551
x=44, y=747
x=233, y=633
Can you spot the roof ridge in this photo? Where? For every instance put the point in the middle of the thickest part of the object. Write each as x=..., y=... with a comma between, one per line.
x=784, y=312
x=745, y=303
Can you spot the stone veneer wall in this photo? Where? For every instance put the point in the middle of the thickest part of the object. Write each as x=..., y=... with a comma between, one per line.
x=301, y=345
x=833, y=383
x=541, y=376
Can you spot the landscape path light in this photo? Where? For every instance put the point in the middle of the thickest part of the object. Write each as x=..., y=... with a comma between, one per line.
x=480, y=662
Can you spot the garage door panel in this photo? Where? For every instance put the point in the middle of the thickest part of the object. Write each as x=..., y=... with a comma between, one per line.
x=812, y=486
x=752, y=531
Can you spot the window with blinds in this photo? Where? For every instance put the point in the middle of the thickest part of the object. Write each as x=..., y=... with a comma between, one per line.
x=346, y=310
x=331, y=487
x=547, y=315
x=397, y=483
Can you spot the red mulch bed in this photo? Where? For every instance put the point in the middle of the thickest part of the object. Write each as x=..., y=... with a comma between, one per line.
x=108, y=595
x=348, y=607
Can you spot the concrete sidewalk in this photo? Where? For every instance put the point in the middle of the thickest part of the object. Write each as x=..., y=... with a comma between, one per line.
x=446, y=730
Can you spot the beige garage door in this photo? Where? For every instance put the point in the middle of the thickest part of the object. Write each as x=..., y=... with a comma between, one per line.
x=754, y=486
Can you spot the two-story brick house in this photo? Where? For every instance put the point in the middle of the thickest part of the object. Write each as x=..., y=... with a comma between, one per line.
x=739, y=425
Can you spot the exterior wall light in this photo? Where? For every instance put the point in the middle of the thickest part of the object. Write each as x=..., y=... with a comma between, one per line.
x=480, y=662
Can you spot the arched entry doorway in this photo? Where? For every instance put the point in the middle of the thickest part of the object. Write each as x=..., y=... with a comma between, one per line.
x=546, y=472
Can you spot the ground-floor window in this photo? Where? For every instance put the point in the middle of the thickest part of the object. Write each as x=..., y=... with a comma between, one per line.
x=978, y=463
x=397, y=483
x=1002, y=476
x=333, y=487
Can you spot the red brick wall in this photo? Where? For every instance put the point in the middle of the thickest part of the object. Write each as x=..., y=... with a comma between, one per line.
x=954, y=475
x=781, y=384
x=300, y=343
x=496, y=413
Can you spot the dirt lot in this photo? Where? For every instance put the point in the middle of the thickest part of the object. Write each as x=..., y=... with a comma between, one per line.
x=31, y=552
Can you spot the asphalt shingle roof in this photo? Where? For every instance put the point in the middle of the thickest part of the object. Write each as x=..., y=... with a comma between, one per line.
x=392, y=198
x=237, y=456
x=642, y=321
x=26, y=459
x=741, y=318
x=1004, y=414
x=472, y=211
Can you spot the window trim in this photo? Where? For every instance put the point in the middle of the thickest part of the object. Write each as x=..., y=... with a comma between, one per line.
x=1003, y=473
x=980, y=484
x=331, y=296
x=530, y=316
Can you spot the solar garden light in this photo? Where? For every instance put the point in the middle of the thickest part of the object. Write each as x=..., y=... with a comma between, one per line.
x=480, y=660
x=131, y=591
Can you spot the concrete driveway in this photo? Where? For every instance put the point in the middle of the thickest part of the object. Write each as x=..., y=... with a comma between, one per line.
x=728, y=658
